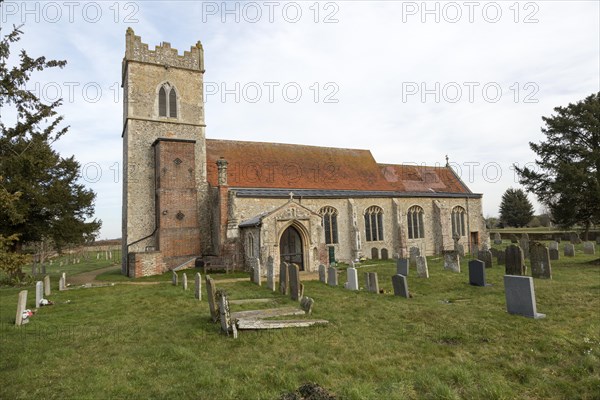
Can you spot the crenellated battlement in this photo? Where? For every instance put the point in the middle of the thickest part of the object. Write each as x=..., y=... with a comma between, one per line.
x=163, y=54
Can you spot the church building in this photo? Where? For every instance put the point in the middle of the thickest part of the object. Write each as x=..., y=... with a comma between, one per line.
x=231, y=203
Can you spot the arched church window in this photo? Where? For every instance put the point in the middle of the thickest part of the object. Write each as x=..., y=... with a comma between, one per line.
x=416, y=229
x=162, y=102
x=173, y=103
x=329, y=222
x=374, y=224
x=458, y=221
x=167, y=101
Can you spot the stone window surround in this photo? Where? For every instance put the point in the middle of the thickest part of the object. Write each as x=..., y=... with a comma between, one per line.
x=331, y=213
x=168, y=87
x=415, y=224
x=374, y=233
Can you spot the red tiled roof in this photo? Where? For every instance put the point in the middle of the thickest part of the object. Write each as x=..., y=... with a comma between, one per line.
x=289, y=166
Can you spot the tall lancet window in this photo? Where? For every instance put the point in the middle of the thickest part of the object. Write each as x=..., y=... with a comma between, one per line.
x=162, y=102
x=167, y=101
x=173, y=103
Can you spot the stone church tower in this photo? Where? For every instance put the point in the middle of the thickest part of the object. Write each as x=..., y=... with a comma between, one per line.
x=164, y=159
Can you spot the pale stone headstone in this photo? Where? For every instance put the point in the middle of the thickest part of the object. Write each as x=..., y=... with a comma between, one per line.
x=422, y=270
x=47, y=290
x=212, y=299
x=198, y=286
x=294, y=277
x=540, y=261
x=477, y=273
x=575, y=238
x=554, y=254
x=402, y=266
x=283, y=278
x=306, y=304
x=97, y=256
x=270, y=274
x=497, y=238
x=21, y=306
x=257, y=272
x=524, y=244
x=62, y=283
x=515, y=263
x=332, y=278
x=553, y=245
x=400, y=285
x=225, y=315
x=520, y=296
x=39, y=293
x=184, y=281
x=174, y=278
x=352, y=283
x=501, y=257
x=589, y=248
x=322, y=273
x=372, y=282
x=486, y=257
x=414, y=252
x=452, y=261
x=569, y=250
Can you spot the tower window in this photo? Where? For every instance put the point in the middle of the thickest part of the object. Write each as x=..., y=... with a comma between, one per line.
x=167, y=105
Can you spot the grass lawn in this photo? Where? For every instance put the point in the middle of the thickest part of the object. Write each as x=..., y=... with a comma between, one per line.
x=449, y=341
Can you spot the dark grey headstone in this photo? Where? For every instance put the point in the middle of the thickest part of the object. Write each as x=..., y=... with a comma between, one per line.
x=477, y=273
x=283, y=278
x=486, y=257
x=515, y=264
x=540, y=261
x=554, y=254
x=569, y=250
x=501, y=257
x=520, y=296
x=332, y=278
x=400, y=286
x=373, y=281
x=452, y=261
x=294, y=277
x=322, y=273
x=402, y=266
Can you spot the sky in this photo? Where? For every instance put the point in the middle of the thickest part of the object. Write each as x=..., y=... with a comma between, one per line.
x=413, y=82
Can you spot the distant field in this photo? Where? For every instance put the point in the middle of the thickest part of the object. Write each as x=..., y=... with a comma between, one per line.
x=451, y=341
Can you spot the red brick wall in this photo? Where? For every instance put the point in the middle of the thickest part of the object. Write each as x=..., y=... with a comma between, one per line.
x=145, y=264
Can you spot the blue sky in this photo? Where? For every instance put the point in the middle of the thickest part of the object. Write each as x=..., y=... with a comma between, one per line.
x=411, y=81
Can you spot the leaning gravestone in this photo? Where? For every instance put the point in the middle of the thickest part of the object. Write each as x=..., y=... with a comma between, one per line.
x=174, y=278
x=198, y=286
x=553, y=245
x=575, y=238
x=332, y=278
x=283, y=278
x=422, y=270
x=520, y=296
x=400, y=286
x=322, y=273
x=569, y=250
x=21, y=306
x=212, y=298
x=39, y=293
x=402, y=266
x=477, y=273
x=540, y=261
x=352, y=283
x=589, y=248
x=294, y=277
x=414, y=252
x=501, y=257
x=497, y=238
x=184, y=281
x=554, y=254
x=524, y=243
x=47, y=290
x=257, y=273
x=486, y=257
x=270, y=274
x=372, y=282
x=515, y=264
x=452, y=261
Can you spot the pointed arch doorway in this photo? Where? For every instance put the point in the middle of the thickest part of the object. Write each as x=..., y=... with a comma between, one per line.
x=291, y=248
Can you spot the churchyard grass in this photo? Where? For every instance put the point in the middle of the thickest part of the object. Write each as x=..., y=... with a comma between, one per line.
x=450, y=341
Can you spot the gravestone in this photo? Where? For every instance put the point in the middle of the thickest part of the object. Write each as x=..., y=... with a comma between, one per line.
x=422, y=270
x=225, y=315
x=402, y=266
x=515, y=264
x=460, y=249
x=514, y=238
x=352, y=283
x=270, y=273
x=524, y=244
x=306, y=304
x=414, y=252
x=569, y=250
x=174, y=278
x=332, y=278
x=257, y=276
x=540, y=261
x=486, y=257
x=575, y=238
x=283, y=278
x=62, y=283
x=400, y=286
x=294, y=277
x=589, y=248
x=184, y=281
x=520, y=296
x=322, y=273
x=553, y=245
x=501, y=257
x=39, y=293
x=198, y=286
x=477, y=273
x=47, y=285
x=212, y=298
x=497, y=238
x=554, y=254
x=452, y=261
x=372, y=282
x=21, y=306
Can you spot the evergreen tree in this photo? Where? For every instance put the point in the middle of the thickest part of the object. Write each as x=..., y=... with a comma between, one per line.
x=568, y=178
x=515, y=209
x=52, y=204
